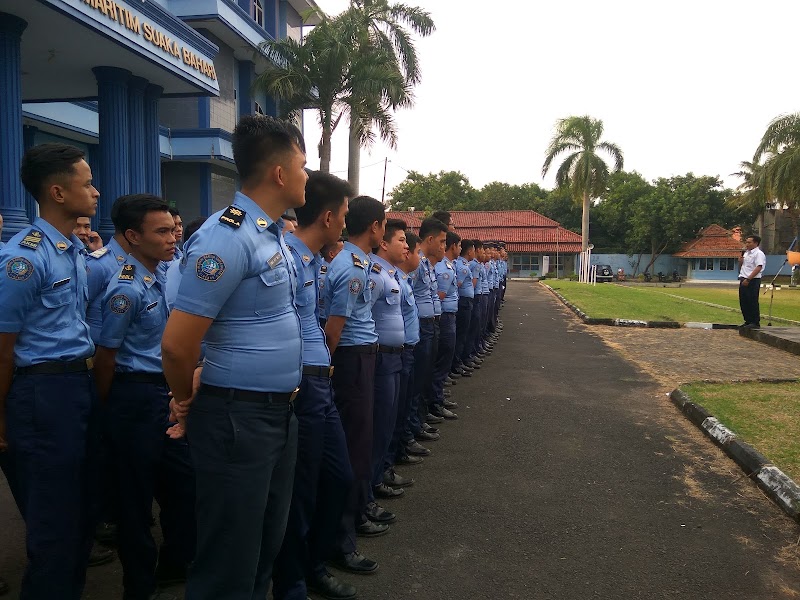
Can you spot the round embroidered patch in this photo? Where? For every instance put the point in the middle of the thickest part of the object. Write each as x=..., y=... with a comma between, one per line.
x=371, y=284
x=446, y=276
x=19, y=269
x=210, y=267
x=120, y=304
x=355, y=286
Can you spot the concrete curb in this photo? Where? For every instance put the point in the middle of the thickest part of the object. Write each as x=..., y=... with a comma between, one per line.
x=763, y=336
x=631, y=322
x=780, y=488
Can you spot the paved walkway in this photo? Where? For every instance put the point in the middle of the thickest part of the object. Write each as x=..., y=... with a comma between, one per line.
x=570, y=475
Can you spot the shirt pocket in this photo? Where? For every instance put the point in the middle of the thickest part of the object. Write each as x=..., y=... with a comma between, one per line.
x=272, y=296
x=150, y=319
x=393, y=299
x=306, y=295
x=58, y=313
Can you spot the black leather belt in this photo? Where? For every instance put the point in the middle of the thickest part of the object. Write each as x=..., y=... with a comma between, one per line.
x=369, y=349
x=58, y=367
x=249, y=396
x=390, y=349
x=427, y=318
x=141, y=377
x=409, y=346
x=318, y=371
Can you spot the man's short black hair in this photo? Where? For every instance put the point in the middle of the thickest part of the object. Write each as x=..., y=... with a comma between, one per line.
x=324, y=192
x=412, y=239
x=431, y=226
x=132, y=209
x=45, y=161
x=192, y=227
x=174, y=211
x=478, y=244
x=466, y=246
x=362, y=213
x=443, y=216
x=452, y=238
x=260, y=140
x=755, y=238
x=392, y=227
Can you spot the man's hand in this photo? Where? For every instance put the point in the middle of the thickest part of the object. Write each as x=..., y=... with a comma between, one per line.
x=95, y=241
x=745, y=282
x=3, y=441
x=179, y=410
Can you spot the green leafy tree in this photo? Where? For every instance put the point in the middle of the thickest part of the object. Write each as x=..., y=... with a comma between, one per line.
x=503, y=196
x=446, y=190
x=612, y=213
x=560, y=206
x=583, y=169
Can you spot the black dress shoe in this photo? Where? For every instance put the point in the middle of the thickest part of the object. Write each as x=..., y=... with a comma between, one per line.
x=454, y=374
x=408, y=460
x=441, y=411
x=370, y=529
x=447, y=393
x=448, y=382
x=355, y=562
x=106, y=533
x=384, y=491
x=377, y=514
x=4, y=587
x=450, y=404
x=168, y=574
x=393, y=479
x=433, y=419
x=429, y=428
x=416, y=449
x=329, y=587
x=466, y=373
x=162, y=595
x=424, y=436
x=473, y=366
x=100, y=556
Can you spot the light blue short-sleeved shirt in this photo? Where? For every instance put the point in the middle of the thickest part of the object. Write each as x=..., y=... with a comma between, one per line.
x=348, y=294
x=323, y=275
x=464, y=278
x=483, y=278
x=421, y=285
x=101, y=266
x=315, y=350
x=134, y=313
x=446, y=279
x=239, y=272
x=387, y=309
x=410, y=312
x=43, y=295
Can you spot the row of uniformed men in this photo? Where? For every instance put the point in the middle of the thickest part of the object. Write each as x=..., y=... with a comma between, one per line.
x=241, y=297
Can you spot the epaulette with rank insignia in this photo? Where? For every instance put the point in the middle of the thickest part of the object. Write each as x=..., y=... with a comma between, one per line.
x=323, y=269
x=357, y=262
x=127, y=273
x=98, y=253
x=32, y=240
x=376, y=268
x=232, y=216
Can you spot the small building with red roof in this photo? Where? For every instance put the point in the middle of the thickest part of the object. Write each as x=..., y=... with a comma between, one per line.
x=533, y=241
x=713, y=255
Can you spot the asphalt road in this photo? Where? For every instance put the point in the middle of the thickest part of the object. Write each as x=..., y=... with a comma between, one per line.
x=568, y=476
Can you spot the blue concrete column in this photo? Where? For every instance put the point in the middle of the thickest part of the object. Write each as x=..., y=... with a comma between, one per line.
x=204, y=112
x=244, y=95
x=136, y=145
x=29, y=141
x=12, y=193
x=205, y=188
x=112, y=105
x=271, y=17
x=282, y=19
x=152, y=147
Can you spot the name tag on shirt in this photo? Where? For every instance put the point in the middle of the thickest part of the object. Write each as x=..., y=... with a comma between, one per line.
x=308, y=283
x=275, y=260
x=151, y=306
x=61, y=283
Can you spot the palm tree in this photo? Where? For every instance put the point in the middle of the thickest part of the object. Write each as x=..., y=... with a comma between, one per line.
x=583, y=170
x=378, y=27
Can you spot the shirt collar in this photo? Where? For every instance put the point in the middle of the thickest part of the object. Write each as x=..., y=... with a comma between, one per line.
x=352, y=248
x=300, y=247
x=119, y=254
x=385, y=264
x=60, y=243
x=142, y=273
x=255, y=213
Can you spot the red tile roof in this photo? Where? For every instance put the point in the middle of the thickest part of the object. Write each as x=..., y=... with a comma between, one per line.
x=522, y=230
x=712, y=242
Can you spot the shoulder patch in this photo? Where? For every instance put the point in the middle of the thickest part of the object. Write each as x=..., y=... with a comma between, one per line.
x=19, y=269
x=120, y=304
x=232, y=216
x=32, y=240
x=127, y=273
x=355, y=286
x=357, y=260
x=376, y=268
x=209, y=267
x=98, y=253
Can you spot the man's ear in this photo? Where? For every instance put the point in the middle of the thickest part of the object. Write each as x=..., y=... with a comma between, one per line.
x=132, y=236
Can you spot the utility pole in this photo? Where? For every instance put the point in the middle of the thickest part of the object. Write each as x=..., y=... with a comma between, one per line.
x=383, y=191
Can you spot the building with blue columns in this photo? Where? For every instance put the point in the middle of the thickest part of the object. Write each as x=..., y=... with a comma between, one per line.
x=150, y=89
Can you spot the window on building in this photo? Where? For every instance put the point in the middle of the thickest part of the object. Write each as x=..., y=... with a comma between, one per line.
x=705, y=264
x=259, y=110
x=727, y=264
x=258, y=12
x=524, y=262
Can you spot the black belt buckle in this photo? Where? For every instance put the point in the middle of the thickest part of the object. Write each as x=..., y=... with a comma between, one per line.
x=390, y=349
x=79, y=365
x=318, y=371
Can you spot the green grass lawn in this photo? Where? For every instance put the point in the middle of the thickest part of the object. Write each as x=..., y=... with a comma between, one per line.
x=765, y=415
x=659, y=304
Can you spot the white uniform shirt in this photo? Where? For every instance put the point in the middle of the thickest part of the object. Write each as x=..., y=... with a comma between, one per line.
x=752, y=259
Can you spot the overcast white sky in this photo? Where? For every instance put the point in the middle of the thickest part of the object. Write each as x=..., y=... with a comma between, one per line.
x=680, y=86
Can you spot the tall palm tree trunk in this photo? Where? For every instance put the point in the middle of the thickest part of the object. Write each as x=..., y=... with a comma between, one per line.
x=585, y=223
x=354, y=160
x=325, y=148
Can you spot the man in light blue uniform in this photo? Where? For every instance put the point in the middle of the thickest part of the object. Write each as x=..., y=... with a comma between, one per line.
x=130, y=383
x=448, y=293
x=237, y=295
x=176, y=216
x=328, y=253
x=176, y=267
x=351, y=336
x=323, y=476
x=387, y=311
x=466, y=296
x=48, y=429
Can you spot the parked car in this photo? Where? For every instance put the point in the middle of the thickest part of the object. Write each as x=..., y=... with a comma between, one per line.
x=604, y=273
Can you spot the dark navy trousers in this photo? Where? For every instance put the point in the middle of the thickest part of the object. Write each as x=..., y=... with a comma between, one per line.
x=473, y=337
x=463, y=321
x=444, y=356
x=244, y=455
x=404, y=404
x=322, y=482
x=148, y=464
x=50, y=465
x=384, y=416
x=423, y=369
